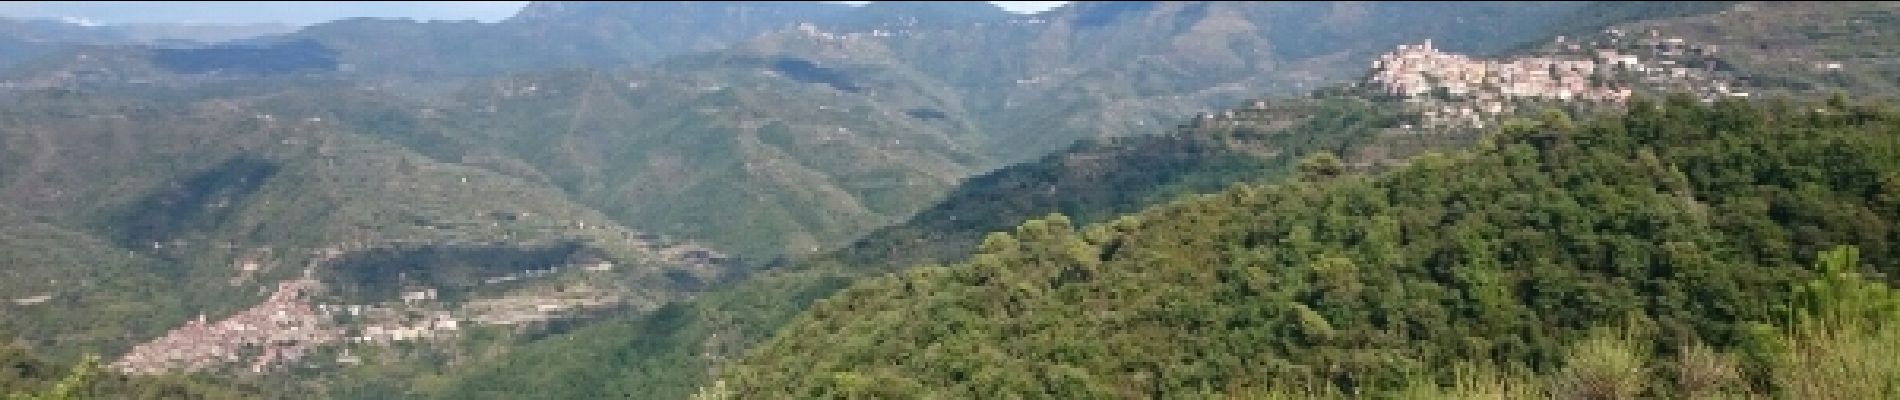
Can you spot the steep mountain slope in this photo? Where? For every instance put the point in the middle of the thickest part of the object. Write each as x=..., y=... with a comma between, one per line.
x=1016, y=90
x=543, y=35
x=1096, y=180
x=70, y=292
x=1099, y=69
x=170, y=206
x=762, y=156
x=566, y=34
x=1593, y=16
x=1797, y=48
x=729, y=320
x=1506, y=255
x=917, y=102
x=668, y=354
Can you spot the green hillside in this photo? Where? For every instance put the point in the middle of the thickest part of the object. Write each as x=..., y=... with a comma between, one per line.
x=740, y=151
x=127, y=215
x=669, y=354
x=1798, y=47
x=555, y=34
x=1038, y=83
x=1690, y=222
x=1098, y=180
x=1593, y=16
x=73, y=293
x=799, y=140
x=905, y=99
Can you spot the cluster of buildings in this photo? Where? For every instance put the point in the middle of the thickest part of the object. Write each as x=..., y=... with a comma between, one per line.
x=517, y=310
x=657, y=248
x=286, y=328
x=289, y=324
x=813, y=31
x=380, y=325
x=527, y=274
x=1421, y=70
x=1455, y=90
x=283, y=328
x=1257, y=113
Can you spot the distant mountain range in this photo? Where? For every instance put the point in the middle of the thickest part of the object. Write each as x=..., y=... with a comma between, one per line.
x=25, y=39
x=299, y=13
x=963, y=83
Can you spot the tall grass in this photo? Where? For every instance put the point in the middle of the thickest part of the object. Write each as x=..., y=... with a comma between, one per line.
x=1844, y=361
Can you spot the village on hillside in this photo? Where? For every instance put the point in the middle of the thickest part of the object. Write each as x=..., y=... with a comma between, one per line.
x=1454, y=90
x=282, y=328
x=1442, y=90
x=293, y=321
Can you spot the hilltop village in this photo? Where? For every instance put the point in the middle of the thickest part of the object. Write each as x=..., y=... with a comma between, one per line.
x=1454, y=90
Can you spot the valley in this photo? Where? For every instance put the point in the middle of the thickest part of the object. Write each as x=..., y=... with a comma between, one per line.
x=946, y=199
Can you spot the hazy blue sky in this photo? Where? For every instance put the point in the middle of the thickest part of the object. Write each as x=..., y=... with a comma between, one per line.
x=300, y=12
x=1028, y=6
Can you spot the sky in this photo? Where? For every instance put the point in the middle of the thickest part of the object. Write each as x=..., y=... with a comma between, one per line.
x=1020, y=7
x=1027, y=7
x=301, y=12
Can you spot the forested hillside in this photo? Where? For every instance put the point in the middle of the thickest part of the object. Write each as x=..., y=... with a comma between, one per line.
x=1690, y=223
x=761, y=156
x=1090, y=182
x=123, y=216
x=1100, y=179
x=669, y=353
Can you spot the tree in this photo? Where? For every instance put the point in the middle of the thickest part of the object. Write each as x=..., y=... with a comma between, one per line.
x=1842, y=296
x=74, y=386
x=1321, y=166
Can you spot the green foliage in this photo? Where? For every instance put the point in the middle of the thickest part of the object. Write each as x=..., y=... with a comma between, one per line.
x=668, y=353
x=1841, y=362
x=68, y=387
x=118, y=293
x=25, y=377
x=1100, y=179
x=81, y=376
x=1704, y=373
x=1602, y=367
x=1320, y=167
x=1840, y=295
x=1845, y=341
x=1687, y=222
x=675, y=349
